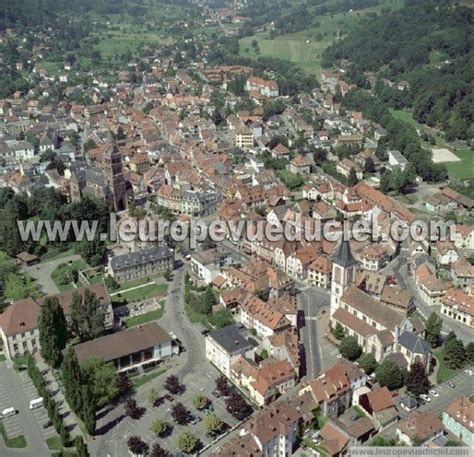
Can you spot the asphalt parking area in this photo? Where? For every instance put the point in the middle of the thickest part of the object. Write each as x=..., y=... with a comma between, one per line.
x=40, y=414
x=12, y=424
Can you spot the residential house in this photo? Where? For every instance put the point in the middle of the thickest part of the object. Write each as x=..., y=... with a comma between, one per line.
x=345, y=165
x=259, y=315
x=380, y=406
x=320, y=271
x=300, y=165
x=271, y=432
x=397, y=160
x=462, y=273
x=206, y=265
x=265, y=87
x=263, y=382
x=419, y=429
x=458, y=305
x=430, y=288
x=446, y=253
x=458, y=418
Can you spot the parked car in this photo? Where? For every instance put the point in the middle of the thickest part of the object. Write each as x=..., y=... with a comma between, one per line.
x=425, y=397
x=451, y=384
x=434, y=393
x=468, y=371
x=216, y=393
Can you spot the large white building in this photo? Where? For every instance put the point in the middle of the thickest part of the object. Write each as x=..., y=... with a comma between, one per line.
x=225, y=345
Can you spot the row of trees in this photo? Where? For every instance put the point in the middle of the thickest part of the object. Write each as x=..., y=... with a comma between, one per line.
x=53, y=410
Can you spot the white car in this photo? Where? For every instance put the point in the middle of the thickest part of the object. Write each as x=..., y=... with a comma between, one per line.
x=339, y=356
x=434, y=393
x=468, y=371
x=425, y=397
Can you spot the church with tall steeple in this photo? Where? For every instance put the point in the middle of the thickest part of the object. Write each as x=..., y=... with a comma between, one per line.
x=113, y=167
x=343, y=274
x=380, y=329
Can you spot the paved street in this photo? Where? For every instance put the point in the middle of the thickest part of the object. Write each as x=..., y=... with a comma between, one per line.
x=24, y=422
x=312, y=301
x=398, y=267
x=42, y=273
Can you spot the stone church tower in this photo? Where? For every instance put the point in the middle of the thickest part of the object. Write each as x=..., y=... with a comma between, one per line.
x=343, y=274
x=114, y=171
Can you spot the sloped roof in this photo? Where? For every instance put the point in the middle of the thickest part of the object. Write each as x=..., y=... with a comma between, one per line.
x=343, y=256
x=414, y=343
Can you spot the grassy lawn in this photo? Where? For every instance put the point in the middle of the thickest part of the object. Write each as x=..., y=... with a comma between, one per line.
x=138, y=381
x=135, y=283
x=54, y=443
x=17, y=442
x=65, y=271
x=444, y=373
x=2, y=357
x=465, y=168
x=142, y=293
x=195, y=317
x=20, y=361
x=146, y=317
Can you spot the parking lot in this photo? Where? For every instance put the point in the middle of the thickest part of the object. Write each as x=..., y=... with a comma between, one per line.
x=141, y=427
x=40, y=414
x=12, y=424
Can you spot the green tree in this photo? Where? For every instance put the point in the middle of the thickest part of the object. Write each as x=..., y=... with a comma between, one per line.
x=433, y=329
x=81, y=447
x=389, y=374
x=417, y=381
x=349, y=348
x=470, y=352
x=87, y=315
x=158, y=427
x=72, y=379
x=52, y=331
x=338, y=331
x=89, y=408
x=368, y=363
x=187, y=442
x=153, y=396
x=200, y=401
x=455, y=355
x=209, y=300
x=352, y=179
x=213, y=424
x=102, y=379
x=380, y=441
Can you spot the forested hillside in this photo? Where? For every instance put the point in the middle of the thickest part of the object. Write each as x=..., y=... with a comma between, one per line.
x=427, y=43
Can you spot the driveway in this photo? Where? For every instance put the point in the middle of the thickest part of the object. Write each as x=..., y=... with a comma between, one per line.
x=42, y=273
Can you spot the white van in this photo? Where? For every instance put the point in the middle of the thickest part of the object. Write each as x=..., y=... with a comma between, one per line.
x=36, y=403
x=7, y=412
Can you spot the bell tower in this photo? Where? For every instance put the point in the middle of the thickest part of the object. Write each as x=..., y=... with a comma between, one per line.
x=343, y=274
x=115, y=178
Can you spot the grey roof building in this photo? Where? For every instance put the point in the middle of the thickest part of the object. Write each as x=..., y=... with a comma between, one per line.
x=343, y=256
x=141, y=263
x=231, y=339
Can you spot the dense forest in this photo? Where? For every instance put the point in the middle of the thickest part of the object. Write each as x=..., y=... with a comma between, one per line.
x=428, y=43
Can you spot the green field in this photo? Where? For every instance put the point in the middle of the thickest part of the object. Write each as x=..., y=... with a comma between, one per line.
x=304, y=48
x=465, y=168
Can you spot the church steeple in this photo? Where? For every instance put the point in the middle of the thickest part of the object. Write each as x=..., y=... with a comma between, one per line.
x=114, y=170
x=343, y=256
x=343, y=273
